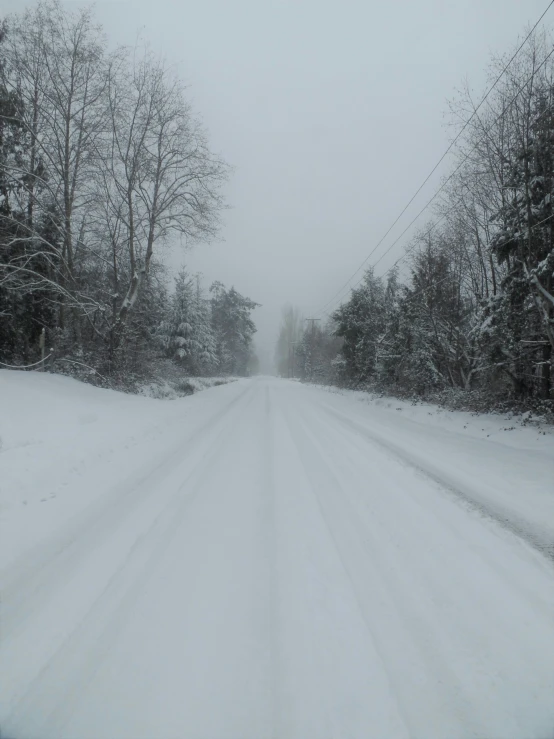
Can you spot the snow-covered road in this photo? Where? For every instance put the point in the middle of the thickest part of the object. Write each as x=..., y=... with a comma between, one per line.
x=293, y=564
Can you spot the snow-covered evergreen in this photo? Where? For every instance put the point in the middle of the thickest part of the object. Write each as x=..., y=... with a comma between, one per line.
x=233, y=329
x=186, y=334
x=208, y=335
x=476, y=310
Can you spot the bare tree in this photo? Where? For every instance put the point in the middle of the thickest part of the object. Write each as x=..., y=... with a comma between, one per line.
x=55, y=65
x=113, y=164
x=158, y=178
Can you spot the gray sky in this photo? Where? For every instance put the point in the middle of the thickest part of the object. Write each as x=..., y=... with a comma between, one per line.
x=332, y=113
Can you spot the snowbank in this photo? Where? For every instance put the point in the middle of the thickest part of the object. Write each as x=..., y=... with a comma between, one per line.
x=513, y=429
x=502, y=466
x=64, y=442
x=171, y=389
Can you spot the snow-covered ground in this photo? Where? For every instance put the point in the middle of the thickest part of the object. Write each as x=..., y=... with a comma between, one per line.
x=64, y=443
x=172, y=389
x=266, y=559
x=516, y=488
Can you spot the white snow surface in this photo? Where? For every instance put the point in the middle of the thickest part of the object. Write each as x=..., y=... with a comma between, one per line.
x=268, y=559
x=169, y=390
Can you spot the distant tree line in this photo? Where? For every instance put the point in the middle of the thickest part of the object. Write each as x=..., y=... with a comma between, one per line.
x=475, y=312
x=103, y=164
x=290, y=334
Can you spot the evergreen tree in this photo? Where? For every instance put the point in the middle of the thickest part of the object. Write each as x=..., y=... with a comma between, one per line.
x=187, y=334
x=233, y=328
x=361, y=323
x=519, y=324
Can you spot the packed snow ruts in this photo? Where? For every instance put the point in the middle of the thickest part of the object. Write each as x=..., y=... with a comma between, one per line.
x=246, y=562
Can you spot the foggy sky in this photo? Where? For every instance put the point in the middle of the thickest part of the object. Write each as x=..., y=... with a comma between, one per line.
x=332, y=113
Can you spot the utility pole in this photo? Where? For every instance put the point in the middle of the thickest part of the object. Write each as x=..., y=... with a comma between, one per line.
x=312, y=337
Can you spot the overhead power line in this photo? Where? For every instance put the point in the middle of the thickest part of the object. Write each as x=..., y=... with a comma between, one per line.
x=432, y=285
x=444, y=215
x=337, y=296
x=442, y=158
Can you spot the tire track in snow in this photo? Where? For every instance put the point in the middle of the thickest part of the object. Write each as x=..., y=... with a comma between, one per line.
x=81, y=652
x=38, y=574
x=296, y=587
x=363, y=537
x=493, y=557
x=539, y=538
x=273, y=605
x=307, y=459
